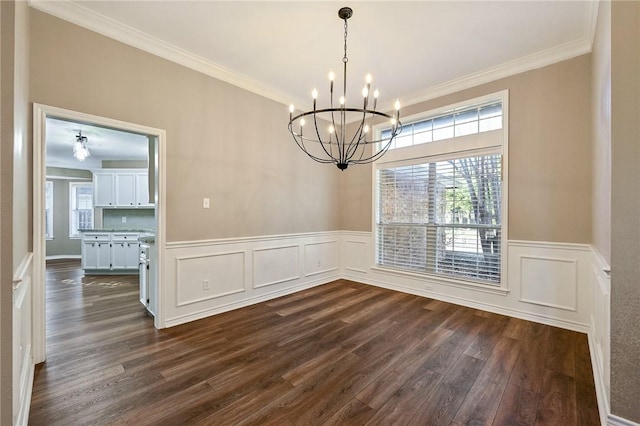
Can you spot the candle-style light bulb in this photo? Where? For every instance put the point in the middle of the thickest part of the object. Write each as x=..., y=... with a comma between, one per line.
x=291, y=108
x=397, y=105
x=368, y=78
x=314, y=94
x=302, y=122
x=366, y=128
x=376, y=93
x=365, y=92
x=394, y=121
x=332, y=76
x=341, y=100
x=331, y=129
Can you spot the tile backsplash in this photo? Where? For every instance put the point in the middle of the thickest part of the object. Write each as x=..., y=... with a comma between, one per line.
x=136, y=219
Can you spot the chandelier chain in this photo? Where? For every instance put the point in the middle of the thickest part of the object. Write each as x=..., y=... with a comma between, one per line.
x=345, y=59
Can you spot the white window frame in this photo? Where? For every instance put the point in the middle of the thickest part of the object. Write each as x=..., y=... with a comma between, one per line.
x=47, y=201
x=72, y=225
x=490, y=142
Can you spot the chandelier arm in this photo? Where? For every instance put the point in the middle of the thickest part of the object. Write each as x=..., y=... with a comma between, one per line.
x=315, y=123
x=313, y=157
x=353, y=145
x=396, y=130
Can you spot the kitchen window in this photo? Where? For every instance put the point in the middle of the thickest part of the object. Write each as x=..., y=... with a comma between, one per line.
x=48, y=210
x=439, y=200
x=80, y=208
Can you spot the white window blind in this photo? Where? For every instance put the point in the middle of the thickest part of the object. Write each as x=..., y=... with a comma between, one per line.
x=442, y=218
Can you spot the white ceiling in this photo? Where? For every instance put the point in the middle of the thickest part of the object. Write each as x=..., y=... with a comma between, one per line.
x=414, y=50
x=281, y=49
x=103, y=144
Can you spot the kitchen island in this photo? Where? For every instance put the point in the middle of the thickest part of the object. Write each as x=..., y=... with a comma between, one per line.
x=112, y=251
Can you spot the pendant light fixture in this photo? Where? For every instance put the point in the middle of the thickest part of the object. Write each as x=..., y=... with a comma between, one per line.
x=339, y=134
x=80, y=150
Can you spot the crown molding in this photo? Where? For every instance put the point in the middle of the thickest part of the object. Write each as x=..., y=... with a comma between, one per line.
x=506, y=69
x=84, y=17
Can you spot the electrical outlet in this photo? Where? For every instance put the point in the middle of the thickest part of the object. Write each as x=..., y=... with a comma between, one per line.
x=205, y=203
x=124, y=219
x=205, y=284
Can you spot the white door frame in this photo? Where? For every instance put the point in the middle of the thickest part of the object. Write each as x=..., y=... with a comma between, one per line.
x=40, y=113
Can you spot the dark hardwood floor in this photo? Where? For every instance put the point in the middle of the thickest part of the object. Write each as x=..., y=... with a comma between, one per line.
x=341, y=353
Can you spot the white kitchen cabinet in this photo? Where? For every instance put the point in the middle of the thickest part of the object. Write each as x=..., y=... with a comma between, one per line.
x=121, y=188
x=142, y=190
x=125, y=190
x=125, y=251
x=96, y=251
x=104, y=190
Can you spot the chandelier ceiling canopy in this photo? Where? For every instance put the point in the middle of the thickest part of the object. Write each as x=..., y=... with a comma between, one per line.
x=341, y=134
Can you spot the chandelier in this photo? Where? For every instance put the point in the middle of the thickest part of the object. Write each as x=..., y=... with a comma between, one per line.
x=339, y=134
x=80, y=150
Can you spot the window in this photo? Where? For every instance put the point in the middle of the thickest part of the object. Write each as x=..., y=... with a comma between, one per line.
x=441, y=214
x=80, y=208
x=451, y=123
x=48, y=210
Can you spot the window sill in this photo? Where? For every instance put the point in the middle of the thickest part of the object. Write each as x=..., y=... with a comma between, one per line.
x=435, y=279
x=49, y=238
x=75, y=237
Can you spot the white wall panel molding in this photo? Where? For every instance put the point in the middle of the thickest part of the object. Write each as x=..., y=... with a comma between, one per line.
x=321, y=257
x=23, y=364
x=549, y=281
x=209, y=276
x=355, y=255
x=275, y=265
x=205, y=278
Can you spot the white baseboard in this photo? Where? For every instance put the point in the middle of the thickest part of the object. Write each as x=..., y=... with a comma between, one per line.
x=544, y=282
x=470, y=303
x=613, y=420
x=247, y=302
x=63, y=256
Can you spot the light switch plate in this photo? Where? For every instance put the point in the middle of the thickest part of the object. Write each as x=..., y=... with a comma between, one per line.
x=205, y=203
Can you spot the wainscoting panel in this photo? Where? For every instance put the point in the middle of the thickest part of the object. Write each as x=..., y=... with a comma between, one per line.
x=209, y=276
x=549, y=281
x=275, y=265
x=23, y=367
x=242, y=271
x=355, y=255
x=321, y=257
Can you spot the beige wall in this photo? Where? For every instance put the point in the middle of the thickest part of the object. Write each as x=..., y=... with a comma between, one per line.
x=223, y=143
x=601, y=132
x=625, y=209
x=549, y=154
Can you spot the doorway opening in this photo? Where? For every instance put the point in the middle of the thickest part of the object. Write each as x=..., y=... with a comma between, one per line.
x=111, y=175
